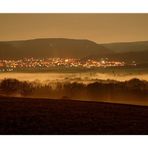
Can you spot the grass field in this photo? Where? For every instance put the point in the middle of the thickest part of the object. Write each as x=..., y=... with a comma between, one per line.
x=23, y=116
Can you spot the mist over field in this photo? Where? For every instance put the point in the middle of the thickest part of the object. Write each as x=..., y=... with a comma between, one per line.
x=70, y=87
x=86, y=77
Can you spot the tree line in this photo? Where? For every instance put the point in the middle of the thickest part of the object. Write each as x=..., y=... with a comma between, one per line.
x=132, y=90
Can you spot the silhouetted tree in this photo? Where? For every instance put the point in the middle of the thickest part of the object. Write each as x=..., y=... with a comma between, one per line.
x=26, y=88
x=10, y=85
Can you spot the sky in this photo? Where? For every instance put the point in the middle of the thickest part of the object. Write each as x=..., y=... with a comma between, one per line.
x=101, y=28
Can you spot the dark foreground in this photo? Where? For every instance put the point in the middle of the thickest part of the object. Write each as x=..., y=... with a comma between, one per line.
x=45, y=116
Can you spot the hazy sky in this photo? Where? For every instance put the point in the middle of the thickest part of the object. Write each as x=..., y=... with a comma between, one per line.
x=97, y=27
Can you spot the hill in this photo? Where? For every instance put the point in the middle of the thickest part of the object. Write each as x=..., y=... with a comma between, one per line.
x=127, y=46
x=46, y=116
x=51, y=47
x=140, y=57
x=74, y=48
x=129, y=51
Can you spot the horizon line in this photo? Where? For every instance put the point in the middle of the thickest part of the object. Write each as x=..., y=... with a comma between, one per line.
x=41, y=38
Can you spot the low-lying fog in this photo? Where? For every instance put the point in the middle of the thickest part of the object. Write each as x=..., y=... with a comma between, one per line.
x=72, y=77
x=61, y=86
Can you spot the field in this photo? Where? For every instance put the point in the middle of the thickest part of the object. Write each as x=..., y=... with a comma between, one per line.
x=21, y=116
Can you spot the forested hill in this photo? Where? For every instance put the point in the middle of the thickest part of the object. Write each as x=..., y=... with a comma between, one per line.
x=74, y=48
x=51, y=47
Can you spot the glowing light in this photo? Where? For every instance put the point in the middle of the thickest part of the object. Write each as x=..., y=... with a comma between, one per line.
x=66, y=60
x=56, y=62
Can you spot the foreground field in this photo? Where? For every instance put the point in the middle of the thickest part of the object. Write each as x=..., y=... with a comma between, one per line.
x=47, y=116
